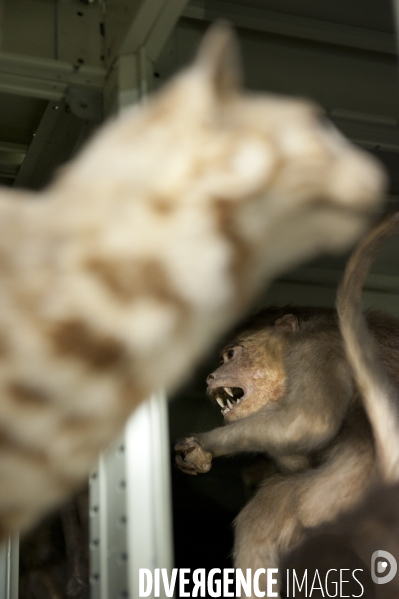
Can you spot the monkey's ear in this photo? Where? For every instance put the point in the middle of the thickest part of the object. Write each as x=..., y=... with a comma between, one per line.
x=288, y=322
x=219, y=59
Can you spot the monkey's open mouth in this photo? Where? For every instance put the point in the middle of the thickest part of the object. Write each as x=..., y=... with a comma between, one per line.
x=227, y=397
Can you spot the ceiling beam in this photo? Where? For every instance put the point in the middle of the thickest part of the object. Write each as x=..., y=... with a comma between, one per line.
x=145, y=23
x=45, y=78
x=7, y=170
x=57, y=137
x=13, y=148
x=260, y=19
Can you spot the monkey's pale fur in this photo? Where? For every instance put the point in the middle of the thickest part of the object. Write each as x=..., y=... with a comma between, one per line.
x=145, y=248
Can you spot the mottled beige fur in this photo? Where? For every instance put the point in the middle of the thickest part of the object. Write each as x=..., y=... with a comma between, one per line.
x=147, y=246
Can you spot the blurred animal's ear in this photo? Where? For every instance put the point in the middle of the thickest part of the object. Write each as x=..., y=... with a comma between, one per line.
x=288, y=322
x=219, y=60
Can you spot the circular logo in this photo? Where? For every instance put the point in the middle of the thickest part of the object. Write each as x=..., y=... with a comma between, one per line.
x=383, y=562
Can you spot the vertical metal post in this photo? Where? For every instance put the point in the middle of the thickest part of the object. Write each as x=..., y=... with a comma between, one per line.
x=108, y=537
x=130, y=505
x=9, y=568
x=149, y=523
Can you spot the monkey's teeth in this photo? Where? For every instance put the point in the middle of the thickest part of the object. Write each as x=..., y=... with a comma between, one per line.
x=229, y=404
x=228, y=391
x=220, y=402
x=225, y=411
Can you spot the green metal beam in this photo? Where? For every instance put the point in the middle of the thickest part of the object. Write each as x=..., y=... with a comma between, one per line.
x=59, y=134
x=45, y=78
x=259, y=19
x=146, y=23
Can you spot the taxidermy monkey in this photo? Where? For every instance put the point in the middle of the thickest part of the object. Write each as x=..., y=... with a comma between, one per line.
x=374, y=525
x=286, y=388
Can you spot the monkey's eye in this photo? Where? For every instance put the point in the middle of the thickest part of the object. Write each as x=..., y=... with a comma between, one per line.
x=230, y=353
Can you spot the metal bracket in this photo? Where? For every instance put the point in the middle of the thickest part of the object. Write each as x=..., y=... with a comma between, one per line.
x=85, y=102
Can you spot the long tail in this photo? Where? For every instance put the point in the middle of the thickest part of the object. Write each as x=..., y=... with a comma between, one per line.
x=380, y=395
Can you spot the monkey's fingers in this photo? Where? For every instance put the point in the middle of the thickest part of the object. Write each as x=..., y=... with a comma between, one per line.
x=186, y=445
x=185, y=466
x=202, y=459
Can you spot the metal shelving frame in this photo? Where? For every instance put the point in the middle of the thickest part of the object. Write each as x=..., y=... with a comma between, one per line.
x=130, y=508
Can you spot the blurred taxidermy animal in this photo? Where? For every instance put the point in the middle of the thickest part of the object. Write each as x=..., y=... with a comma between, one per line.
x=147, y=246
x=324, y=408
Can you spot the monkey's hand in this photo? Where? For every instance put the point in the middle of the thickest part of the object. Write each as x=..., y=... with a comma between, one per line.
x=191, y=458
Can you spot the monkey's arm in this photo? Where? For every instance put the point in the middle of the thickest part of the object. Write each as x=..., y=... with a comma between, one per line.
x=280, y=431
x=306, y=420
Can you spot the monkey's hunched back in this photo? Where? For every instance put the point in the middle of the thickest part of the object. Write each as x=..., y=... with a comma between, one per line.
x=318, y=320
